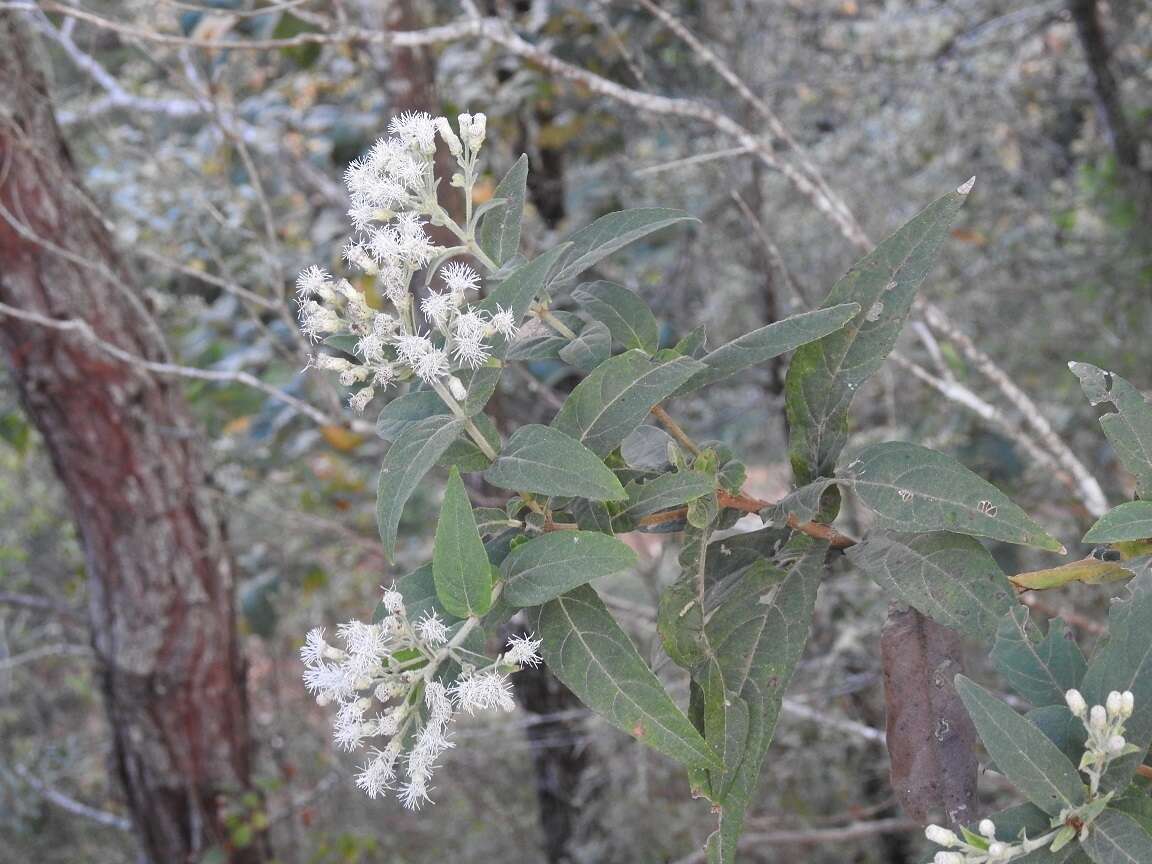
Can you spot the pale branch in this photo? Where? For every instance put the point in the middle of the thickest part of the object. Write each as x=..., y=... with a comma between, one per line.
x=43, y=652
x=817, y=836
x=1090, y=492
x=84, y=330
x=67, y=802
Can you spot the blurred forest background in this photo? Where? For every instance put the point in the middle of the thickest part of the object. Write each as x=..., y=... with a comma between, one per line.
x=211, y=136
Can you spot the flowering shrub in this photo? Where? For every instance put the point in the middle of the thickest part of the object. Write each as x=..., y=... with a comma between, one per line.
x=425, y=328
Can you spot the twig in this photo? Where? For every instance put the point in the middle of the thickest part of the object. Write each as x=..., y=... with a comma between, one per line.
x=674, y=430
x=816, y=836
x=84, y=330
x=61, y=650
x=66, y=802
x=43, y=604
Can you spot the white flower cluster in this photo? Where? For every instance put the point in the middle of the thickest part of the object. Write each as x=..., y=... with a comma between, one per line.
x=378, y=680
x=1106, y=742
x=393, y=191
x=1105, y=727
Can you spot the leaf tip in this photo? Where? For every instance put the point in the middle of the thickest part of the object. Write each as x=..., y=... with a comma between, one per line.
x=966, y=187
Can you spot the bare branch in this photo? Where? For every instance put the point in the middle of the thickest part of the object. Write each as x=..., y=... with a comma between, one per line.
x=67, y=802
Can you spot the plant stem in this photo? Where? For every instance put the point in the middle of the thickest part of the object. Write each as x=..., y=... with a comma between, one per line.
x=469, y=426
x=555, y=323
x=674, y=430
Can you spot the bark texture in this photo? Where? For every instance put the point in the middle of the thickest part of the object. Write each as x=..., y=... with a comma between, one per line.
x=160, y=578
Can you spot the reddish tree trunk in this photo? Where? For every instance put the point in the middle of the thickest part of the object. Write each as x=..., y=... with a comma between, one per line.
x=160, y=578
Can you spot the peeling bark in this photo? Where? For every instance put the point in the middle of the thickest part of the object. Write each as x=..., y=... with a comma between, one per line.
x=161, y=583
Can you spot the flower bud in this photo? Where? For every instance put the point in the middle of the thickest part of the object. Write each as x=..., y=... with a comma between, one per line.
x=1114, y=704
x=450, y=137
x=987, y=828
x=1076, y=703
x=941, y=836
x=1098, y=718
x=996, y=850
x=1116, y=745
x=457, y=389
x=948, y=858
x=1127, y=704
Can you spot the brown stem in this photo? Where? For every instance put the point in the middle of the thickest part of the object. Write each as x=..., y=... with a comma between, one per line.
x=674, y=430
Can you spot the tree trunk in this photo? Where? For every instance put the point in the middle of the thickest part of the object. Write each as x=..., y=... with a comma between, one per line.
x=160, y=578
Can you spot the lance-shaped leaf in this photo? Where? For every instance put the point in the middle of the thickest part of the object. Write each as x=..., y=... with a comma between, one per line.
x=775, y=339
x=1129, y=521
x=1117, y=838
x=597, y=241
x=824, y=375
x=586, y=649
x=553, y=564
x=407, y=410
x=1040, y=667
x=948, y=577
x=1129, y=428
x=1125, y=663
x=667, y=490
x=414, y=451
x=626, y=316
x=460, y=565
x=616, y=397
x=1022, y=752
x=931, y=741
x=544, y=460
x=912, y=488
x=1090, y=571
x=757, y=635
x=499, y=231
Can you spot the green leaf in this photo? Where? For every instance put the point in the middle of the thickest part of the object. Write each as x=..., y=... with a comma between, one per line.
x=499, y=231
x=762, y=345
x=616, y=397
x=912, y=488
x=646, y=447
x=1117, y=838
x=460, y=565
x=465, y=455
x=1022, y=752
x=611, y=232
x=757, y=633
x=1125, y=663
x=553, y=564
x=589, y=349
x=1040, y=668
x=1128, y=521
x=407, y=410
x=586, y=649
x=667, y=490
x=1062, y=728
x=1129, y=428
x=824, y=375
x=948, y=577
x=414, y=451
x=626, y=316
x=546, y=461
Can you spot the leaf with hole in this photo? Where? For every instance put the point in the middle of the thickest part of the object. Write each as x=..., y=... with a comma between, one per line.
x=912, y=488
x=824, y=375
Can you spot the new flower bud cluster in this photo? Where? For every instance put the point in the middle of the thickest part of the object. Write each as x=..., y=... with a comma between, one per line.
x=384, y=685
x=393, y=191
x=1106, y=743
x=1105, y=727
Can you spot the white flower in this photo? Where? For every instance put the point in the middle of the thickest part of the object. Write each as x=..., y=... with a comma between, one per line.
x=311, y=281
x=1098, y=718
x=988, y=828
x=316, y=320
x=436, y=698
x=437, y=308
x=431, y=629
x=312, y=651
x=470, y=351
x=328, y=682
x=1116, y=745
x=504, y=323
x=522, y=651
x=354, y=375
x=483, y=691
x=948, y=858
x=393, y=601
x=416, y=129
x=432, y=365
x=472, y=129
x=469, y=325
x=330, y=363
x=459, y=277
x=376, y=775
